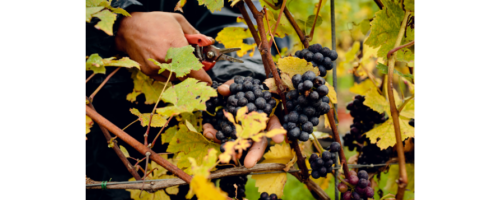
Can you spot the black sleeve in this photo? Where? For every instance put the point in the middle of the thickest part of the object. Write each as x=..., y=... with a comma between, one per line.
x=99, y=42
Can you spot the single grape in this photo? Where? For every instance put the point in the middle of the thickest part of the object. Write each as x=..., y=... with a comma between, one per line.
x=362, y=183
x=302, y=100
x=304, y=136
x=355, y=196
x=300, y=87
x=242, y=101
x=294, y=133
x=324, y=108
x=309, y=56
x=260, y=103
x=272, y=102
x=239, y=79
x=291, y=125
x=322, y=171
x=309, y=75
x=247, y=86
x=293, y=94
x=222, y=149
x=303, y=118
x=369, y=192
x=293, y=116
x=256, y=81
x=267, y=95
x=307, y=127
x=320, y=162
x=347, y=195
x=326, y=156
x=250, y=96
x=314, y=95
x=240, y=95
x=273, y=197
x=318, y=81
x=299, y=54
x=325, y=99
x=227, y=130
x=264, y=195
x=333, y=55
x=322, y=90
x=335, y=147
x=268, y=109
x=342, y=187
x=314, y=156
x=360, y=191
x=329, y=162
x=315, y=174
x=316, y=103
x=322, y=70
x=258, y=93
x=314, y=121
x=239, y=87
x=315, y=48
x=251, y=107
x=353, y=180
x=350, y=105
x=318, y=57
x=219, y=135
x=304, y=52
x=309, y=111
x=327, y=63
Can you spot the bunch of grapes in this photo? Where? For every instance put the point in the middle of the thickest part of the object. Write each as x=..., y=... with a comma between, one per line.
x=364, y=120
x=362, y=186
x=321, y=166
x=227, y=184
x=321, y=57
x=246, y=91
x=305, y=105
x=265, y=196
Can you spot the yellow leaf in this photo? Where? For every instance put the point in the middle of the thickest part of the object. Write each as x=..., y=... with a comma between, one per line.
x=145, y=85
x=179, y=5
x=232, y=37
x=409, y=110
x=385, y=134
x=168, y=134
x=107, y=20
x=362, y=87
x=290, y=66
x=88, y=124
x=173, y=190
x=274, y=183
x=124, y=151
x=91, y=10
x=158, y=120
x=331, y=93
x=376, y=101
x=271, y=84
x=190, y=126
x=204, y=189
x=208, y=163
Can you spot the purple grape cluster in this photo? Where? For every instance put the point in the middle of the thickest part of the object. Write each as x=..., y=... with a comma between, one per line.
x=305, y=105
x=362, y=186
x=227, y=185
x=266, y=196
x=364, y=120
x=321, y=166
x=320, y=57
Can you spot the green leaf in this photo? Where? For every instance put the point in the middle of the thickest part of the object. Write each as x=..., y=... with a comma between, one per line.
x=158, y=120
x=143, y=84
x=310, y=21
x=195, y=119
x=90, y=11
x=163, y=66
x=190, y=126
x=107, y=20
x=95, y=63
x=232, y=37
x=409, y=110
x=385, y=28
x=208, y=164
x=187, y=96
x=212, y=5
x=93, y=3
x=410, y=5
x=119, y=11
x=124, y=151
x=167, y=136
x=187, y=144
x=183, y=60
x=123, y=62
x=384, y=69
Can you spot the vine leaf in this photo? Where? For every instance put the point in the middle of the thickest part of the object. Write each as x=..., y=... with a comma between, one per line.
x=384, y=135
x=195, y=119
x=167, y=136
x=376, y=101
x=89, y=11
x=212, y=5
x=124, y=151
x=385, y=28
x=158, y=120
x=187, y=144
x=310, y=21
x=331, y=93
x=158, y=173
x=248, y=126
x=384, y=69
x=183, y=60
x=284, y=26
x=409, y=110
x=208, y=164
x=98, y=64
x=393, y=175
x=187, y=96
x=290, y=66
x=232, y=37
x=410, y=5
x=349, y=57
x=362, y=88
x=179, y=5
x=88, y=124
x=123, y=62
x=274, y=183
x=205, y=190
x=107, y=20
x=145, y=85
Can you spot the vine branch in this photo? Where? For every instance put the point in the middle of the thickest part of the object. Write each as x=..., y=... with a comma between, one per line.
x=343, y=161
x=143, y=149
x=400, y=47
x=311, y=34
x=117, y=150
x=403, y=180
x=264, y=50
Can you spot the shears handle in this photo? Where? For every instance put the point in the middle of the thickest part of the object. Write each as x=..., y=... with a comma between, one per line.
x=201, y=40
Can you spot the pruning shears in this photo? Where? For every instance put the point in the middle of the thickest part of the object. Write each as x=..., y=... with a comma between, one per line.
x=207, y=53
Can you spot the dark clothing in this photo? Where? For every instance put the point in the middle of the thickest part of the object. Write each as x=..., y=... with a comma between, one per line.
x=102, y=164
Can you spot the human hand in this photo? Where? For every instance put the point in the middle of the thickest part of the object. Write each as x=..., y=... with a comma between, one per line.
x=257, y=149
x=149, y=35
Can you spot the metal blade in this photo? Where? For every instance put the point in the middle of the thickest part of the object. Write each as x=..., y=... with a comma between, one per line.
x=229, y=58
x=223, y=51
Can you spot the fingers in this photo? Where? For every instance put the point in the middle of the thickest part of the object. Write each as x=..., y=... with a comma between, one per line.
x=255, y=153
x=187, y=28
x=274, y=123
x=201, y=75
x=224, y=88
x=209, y=132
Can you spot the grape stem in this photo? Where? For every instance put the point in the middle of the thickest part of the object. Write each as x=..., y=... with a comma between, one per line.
x=333, y=126
x=91, y=97
x=403, y=180
x=143, y=149
x=345, y=182
x=316, y=144
x=405, y=102
x=117, y=150
x=311, y=34
x=130, y=124
x=88, y=79
x=283, y=4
